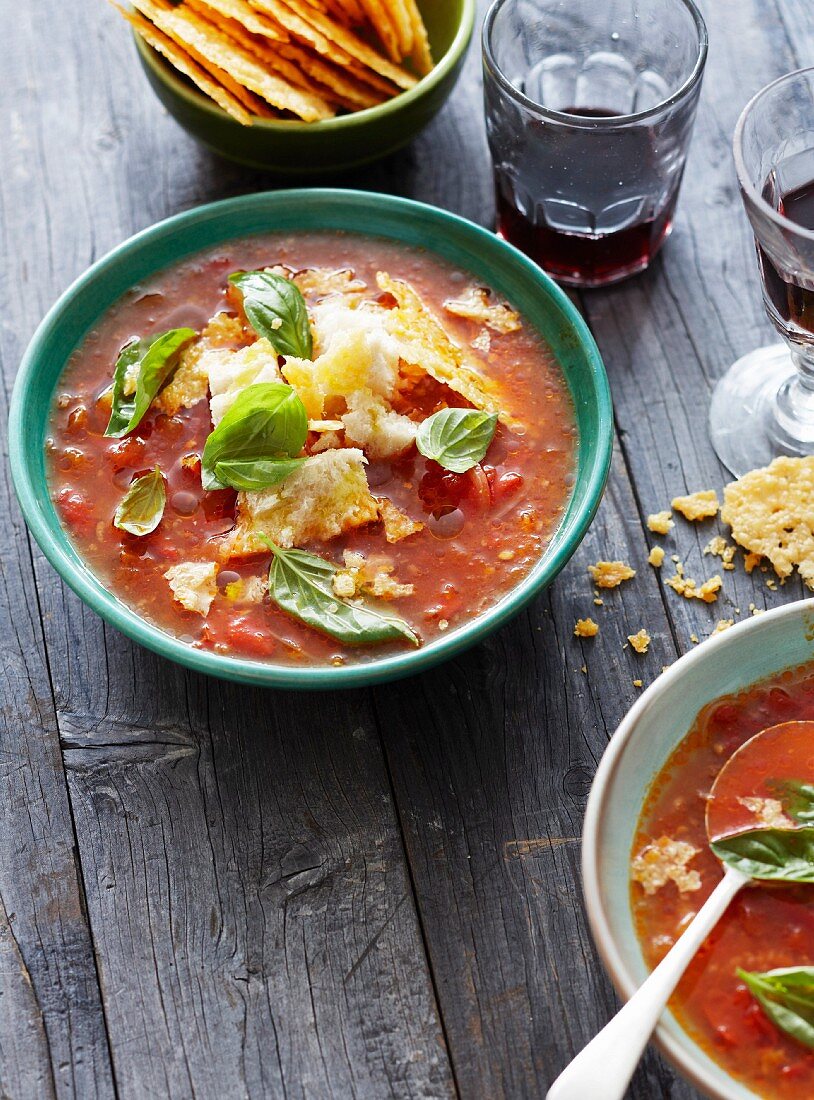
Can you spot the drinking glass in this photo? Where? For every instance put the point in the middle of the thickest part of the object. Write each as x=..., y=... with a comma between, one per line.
x=764, y=405
x=589, y=111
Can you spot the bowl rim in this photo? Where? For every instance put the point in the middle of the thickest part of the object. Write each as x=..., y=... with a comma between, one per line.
x=439, y=72
x=600, y=926
x=90, y=589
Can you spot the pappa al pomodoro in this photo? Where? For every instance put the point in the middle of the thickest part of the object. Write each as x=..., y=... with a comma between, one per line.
x=312, y=448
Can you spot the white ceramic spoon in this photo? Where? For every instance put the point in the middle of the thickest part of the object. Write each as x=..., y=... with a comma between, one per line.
x=602, y=1070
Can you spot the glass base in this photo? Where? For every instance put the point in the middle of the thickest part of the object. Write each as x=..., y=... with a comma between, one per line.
x=743, y=415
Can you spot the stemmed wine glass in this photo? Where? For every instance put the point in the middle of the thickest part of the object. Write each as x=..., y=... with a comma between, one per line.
x=764, y=405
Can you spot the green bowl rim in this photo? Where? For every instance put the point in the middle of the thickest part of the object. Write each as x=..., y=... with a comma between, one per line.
x=168, y=75
x=90, y=589
x=612, y=956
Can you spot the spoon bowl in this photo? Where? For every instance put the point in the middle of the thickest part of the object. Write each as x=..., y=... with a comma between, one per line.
x=748, y=792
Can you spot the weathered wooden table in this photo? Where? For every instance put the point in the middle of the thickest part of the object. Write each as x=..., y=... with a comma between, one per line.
x=211, y=891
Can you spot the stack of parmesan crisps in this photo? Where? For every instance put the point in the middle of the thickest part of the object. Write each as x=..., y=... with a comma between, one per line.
x=289, y=59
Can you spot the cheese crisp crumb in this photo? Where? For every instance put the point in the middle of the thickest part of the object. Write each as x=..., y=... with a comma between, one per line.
x=506, y=555
x=193, y=584
x=720, y=548
x=771, y=513
x=640, y=641
x=638, y=683
x=586, y=628
x=610, y=574
x=686, y=586
x=722, y=625
x=660, y=523
x=768, y=811
x=372, y=577
x=656, y=557
x=344, y=584
x=475, y=305
x=751, y=561
x=665, y=860
x=397, y=524
x=697, y=506
x=482, y=342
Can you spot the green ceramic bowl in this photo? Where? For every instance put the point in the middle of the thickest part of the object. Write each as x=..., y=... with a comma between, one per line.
x=728, y=662
x=312, y=148
x=456, y=240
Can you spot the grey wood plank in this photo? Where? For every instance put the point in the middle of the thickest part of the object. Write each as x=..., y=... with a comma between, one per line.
x=52, y=1033
x=53, y=1041
x=249, y=897
x=245, y=878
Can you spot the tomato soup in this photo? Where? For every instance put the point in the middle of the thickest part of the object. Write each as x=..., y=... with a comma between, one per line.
x=474, y=535
x=767, y=926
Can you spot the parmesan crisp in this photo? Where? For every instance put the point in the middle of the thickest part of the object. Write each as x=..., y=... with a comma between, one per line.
x=697, y=506
x=771, y=513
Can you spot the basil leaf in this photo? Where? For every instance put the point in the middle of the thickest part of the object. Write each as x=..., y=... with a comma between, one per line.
x=300, y=584
x=142, y=506
x=797, y=799
x=267, y=420
x=787, y=998
x=785, y=855
x=156, y=360
x=276, y=309
x=456, y=439
x=260, y=473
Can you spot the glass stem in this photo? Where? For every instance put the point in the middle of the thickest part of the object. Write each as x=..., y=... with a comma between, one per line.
x=792, y=420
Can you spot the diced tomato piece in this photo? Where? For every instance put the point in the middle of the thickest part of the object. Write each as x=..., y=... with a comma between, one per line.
x=507, y=484
x=78, y=422
x=726, y=714
x=479, y=490
x=77, y=510
x=219, y=504
x=441, y=489
x=247, y=637
x=127, y=452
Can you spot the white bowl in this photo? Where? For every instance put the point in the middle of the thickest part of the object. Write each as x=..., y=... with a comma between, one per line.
x=751, y=651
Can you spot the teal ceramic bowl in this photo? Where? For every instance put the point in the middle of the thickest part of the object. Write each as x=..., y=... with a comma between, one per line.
x=313, y=148
x=455, y=240
x=728, y=662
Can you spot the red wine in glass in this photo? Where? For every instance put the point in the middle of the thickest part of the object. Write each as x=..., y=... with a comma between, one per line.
x=786, y=294
x=559, y=210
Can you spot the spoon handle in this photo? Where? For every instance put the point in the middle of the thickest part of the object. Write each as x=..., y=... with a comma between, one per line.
x=604, y=1067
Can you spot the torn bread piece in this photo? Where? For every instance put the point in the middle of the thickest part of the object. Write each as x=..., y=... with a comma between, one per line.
x=190, y=382
x=371, y=424
x=324, y=497
x=194, y=584
x=354, y=378
x=771, y=513
x=230, y=372
x=424, y=343
x=475, y=304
